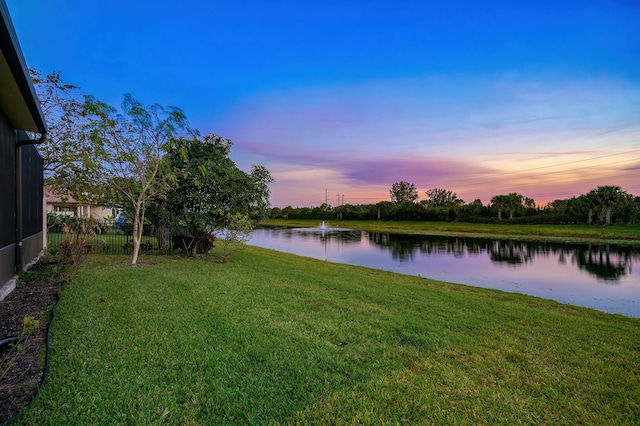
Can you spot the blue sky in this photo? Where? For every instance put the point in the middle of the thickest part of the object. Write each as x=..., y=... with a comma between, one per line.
x=348, y=97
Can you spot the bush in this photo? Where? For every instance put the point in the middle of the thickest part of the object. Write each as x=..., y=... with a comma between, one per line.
x=79, y=236
x=236, y=234
x=194, y=245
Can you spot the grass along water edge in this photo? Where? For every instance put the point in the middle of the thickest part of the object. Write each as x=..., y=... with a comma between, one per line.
x=628, y=235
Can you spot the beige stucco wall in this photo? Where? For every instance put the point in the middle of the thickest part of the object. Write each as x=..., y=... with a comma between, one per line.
x=97, y=212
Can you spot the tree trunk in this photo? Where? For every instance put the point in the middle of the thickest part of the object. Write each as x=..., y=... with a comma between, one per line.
x=499, y=214
x=608, y=216
x=590, y=217
x=138, y=225
x=136, y=241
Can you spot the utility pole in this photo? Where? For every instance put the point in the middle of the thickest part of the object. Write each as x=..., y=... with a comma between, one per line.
x=340, y=204
x=326, y=197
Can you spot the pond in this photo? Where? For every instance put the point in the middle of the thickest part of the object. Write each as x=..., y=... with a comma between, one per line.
x=604, y=277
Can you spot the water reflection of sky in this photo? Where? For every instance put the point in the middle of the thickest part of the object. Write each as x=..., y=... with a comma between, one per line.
x=604, y=278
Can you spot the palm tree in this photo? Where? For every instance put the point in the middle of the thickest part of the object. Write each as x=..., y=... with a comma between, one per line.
x=500, y=202
x=513, y=201
x=609, y=197
x=591, y=200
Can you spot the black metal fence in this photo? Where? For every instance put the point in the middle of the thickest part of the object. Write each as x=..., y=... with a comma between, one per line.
x=107, y=236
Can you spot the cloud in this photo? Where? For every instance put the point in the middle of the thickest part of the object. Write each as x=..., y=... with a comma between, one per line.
x=424, y=172
x=513, y=121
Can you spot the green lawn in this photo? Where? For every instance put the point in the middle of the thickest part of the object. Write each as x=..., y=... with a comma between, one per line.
x=272, y=338
x=624, y=234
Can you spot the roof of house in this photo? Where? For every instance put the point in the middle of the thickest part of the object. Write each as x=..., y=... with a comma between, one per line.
x=53, y=198
x=18, y=99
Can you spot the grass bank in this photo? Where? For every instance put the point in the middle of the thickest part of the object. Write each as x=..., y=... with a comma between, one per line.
x=618, y=234
x=273, y=338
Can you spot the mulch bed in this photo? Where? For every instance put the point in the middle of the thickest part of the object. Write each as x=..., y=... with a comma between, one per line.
x=22, y=364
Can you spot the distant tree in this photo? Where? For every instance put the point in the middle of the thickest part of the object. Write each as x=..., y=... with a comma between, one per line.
x=558, y=206
x=323, y=211
x=276, y=212
x=508, y=202
x=571, y=209
x=589, y=201
x=403, y=191
x=383, y=209
x=633, y=208
x=133, y=145
x=476, y=206
x=407, y=210
x=500, y=202
x=212, y=195
x=609, y=197
x=439, y=197
x=287, y=211
x=529, y=203
x=513, y=201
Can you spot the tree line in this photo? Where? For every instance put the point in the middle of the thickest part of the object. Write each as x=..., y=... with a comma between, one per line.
x=603, y=205
x=148, y=161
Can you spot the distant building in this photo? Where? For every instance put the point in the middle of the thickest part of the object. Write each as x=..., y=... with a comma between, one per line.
x=70, y=207
x=22, y=229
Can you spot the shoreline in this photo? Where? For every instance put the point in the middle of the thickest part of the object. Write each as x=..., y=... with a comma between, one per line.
x=619, y=235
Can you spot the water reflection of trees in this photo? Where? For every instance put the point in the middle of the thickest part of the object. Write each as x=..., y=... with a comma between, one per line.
x=312, y=233
x=606, y=262
x=511, y=252
x=326, y=235
x=402, y=249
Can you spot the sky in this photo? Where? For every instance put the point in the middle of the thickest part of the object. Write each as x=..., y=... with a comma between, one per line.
x=341, y=99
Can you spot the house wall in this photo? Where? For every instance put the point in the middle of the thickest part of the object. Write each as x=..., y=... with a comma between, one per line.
x=61, y=209
x=32, y=192
x=7, y=199
x=96, y=212
x=31, y=189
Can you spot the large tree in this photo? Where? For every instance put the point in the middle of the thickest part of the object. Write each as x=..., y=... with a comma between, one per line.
x=211, y=192
x=403, y=191
x=71, y=159
x=134, y=142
